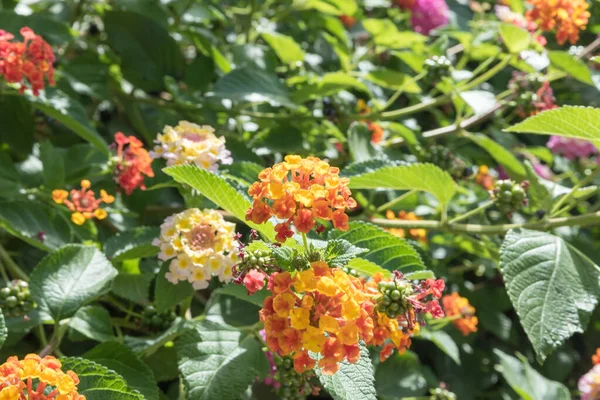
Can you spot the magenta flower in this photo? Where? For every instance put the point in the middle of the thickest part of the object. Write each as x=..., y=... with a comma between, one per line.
x=571, y=148
x=589, y=384
x=428, y=15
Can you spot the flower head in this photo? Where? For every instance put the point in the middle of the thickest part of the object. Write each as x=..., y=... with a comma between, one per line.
x=571, y=148
x=484, y=178
x=133, y=163
x=566, y=17
x=427, y=15
x=596, y=357
x=300, y=191
x=416, y=234
x=589, y=384
x=191, y=143
x=37, y=378
x=83, y=203
x=31, y=60
x=456, y=306
x=200, y=244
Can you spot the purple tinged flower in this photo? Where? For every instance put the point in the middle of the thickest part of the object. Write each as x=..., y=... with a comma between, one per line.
x=589, y=384
x=428, y=15
x=543, y=171
x=571, y=148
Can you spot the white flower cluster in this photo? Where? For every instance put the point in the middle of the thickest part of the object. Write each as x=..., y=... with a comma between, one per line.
x=191, y=143
x=201, y=244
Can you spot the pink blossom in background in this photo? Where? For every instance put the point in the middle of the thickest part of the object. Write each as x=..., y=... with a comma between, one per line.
x=542, y=170
x=571, y=148
x=428, y=15
x=589, y=384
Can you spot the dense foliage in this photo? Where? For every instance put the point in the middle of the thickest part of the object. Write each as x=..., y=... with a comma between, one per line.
x=347, y=199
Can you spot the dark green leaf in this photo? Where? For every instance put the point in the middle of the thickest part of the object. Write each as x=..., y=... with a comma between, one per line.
x=94, y=323
x=134, y=243
x=168, y=295
x=339, y=252
x=16, y=123
x=401, y=375
x=53, y=31
x=443, y=341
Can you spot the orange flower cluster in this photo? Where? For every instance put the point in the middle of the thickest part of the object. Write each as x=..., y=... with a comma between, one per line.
x=459, y=307
x=31, y=59
x=566, y=17
x=133, y=162
x=18, y=377
x=324, y=310
x=300, y=191
x=83, y=203
x=347, y=20
x=596, y=357
x=484, y=178
x=376, y=129
x=415, y=233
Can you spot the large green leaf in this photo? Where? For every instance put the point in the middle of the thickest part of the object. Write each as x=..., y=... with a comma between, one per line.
x=134, y=243
x=442, y=340
x=553, y=287
x=53, y=31
x=571, y=65
x=70, y=277
x=240, y=292
x=168, y=295
x=36, y=223
x=391, y=79
x=98, y=382
x=568, y=121
x=16, y=123
x=425, y=177
x=514, y=38
x=252, y=85
x=94, y=323
x=123, y=361
x=69, y=112
x=339, y=252
x=400, y=376
x=386, y=250
x=286, y=48
x=218, y=362
x=527, y=382
x=327, y=85
x=217, y=190
x=148, y=53
x=386, y=34
x=513, y=167
x=351, y=381
x=3, y=330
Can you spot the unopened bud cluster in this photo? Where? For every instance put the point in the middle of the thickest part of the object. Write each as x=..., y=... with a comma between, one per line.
x=511, y=196
x=441, y=394
x=394, y=297
x=444, y=158
x=157, y=321
x=292, y=385
x=437, y=67
x=15, y=299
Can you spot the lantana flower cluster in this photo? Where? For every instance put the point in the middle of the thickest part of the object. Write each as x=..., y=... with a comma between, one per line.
x=300, y=191
x=505, y=14
x=191, y=143
x=83, y=203
x=463, y=312
x=566, y=17
x=589, y=384
x=571, y=148
x=418, y=234
x=533, y=94
x=484, y=178
x=200, y=244
x=28, y=61
x=18, y=379
x=133, y=163
x=426, y=15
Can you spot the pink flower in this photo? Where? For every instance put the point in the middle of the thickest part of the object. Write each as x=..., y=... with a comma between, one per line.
x=254, y=280
x=589, y=384
x=571, y=148
x=428, y=15
x=543, y=171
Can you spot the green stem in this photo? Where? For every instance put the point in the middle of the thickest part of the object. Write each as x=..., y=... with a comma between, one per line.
x=487, y=75
x=402, y=88
x=574, y=190
x=115, y=303
x=397, y=200
x=185, y=307
x=11, y=265
x=305, y=242
x=474, y=211
x=250, y=16
x=3, y=273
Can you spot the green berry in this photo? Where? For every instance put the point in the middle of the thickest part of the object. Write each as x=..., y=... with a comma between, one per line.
x=396, y=295
x=11, y=301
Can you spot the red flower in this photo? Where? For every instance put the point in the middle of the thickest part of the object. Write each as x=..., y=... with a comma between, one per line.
x=254, y=280
x=133, y=163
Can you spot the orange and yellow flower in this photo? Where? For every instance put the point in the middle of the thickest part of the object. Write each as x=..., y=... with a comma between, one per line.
x=459, y=307
x=484, y=178
x=377, y=132
x=301, y=191
x=18, y=378
x=566, y=17
x=83, y=203
x=414, y=233
x=133, y=163
x=596, y=357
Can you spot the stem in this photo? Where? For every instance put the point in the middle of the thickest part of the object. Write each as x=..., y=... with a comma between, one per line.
x=250, y=16
x=395, y=96
x=57, y=335
x=185, y=308
x=305, y=242
x=3, y=273
x=466, y=124
x=11, y=265
x=574, y=190
x=115, y=303
x=397, y=200
x=474, y=211
x=486, y=76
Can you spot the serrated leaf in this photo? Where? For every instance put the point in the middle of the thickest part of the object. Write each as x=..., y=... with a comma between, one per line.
x=94, y=323
x=168, y=295
x=425, y=177
x=70, y=277
x=218, y=362
x=133, y=287
x=443, y=341
x=386, y=34
x=568, y=121
x=572, y=65
x=527, y=382
x=351, y=381
x=123, y=361
x=286, y=48
x=3, y=330
x=217, y=190
x=367, y=267
x=362, y=167
x=514, y=38
x=37, y=224
x=240, y=292
x=134, y=243
x=339, y=252
x=386, y=250
x=553, y=287
x=513, y=167
x=98, y=382
x=400, y=376
x=283, y=256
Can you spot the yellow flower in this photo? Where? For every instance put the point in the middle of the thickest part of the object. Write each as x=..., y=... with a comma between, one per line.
x=327, y=286
x=313, y=339
x=305, y=281
x=300, y=318
x=78, y=218
x=329, y=324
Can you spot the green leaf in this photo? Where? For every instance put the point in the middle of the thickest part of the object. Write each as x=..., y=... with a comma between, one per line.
x=351, y=381
x=168, y=295
x=391, y=79
x=70, y=277
x=425, y=177
x=253, y=86
x=148, y=53
x=553, y=287
x=3, y=330
x=35, y=223
x=386, y=250
x=94, y=323
x=386, y=34
x=327, y=85
x=240, y=292
x=286, y=48
x=146, y=345
x=123, y=361
x=359, y=143
x=217, y=190
x=69, y=112
x=133, y=287
x=16, y=123
x=98, y=382
x=217, y=362
x=514, y=38
x=513, y=167
x=134, y=243
x=54, y=166
x=401, y=375
x=539, y=197
x=568, y=121
x=339, y=252
x=53, y=31
x=527, y=382
x=571, y=65
x=443, y=341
